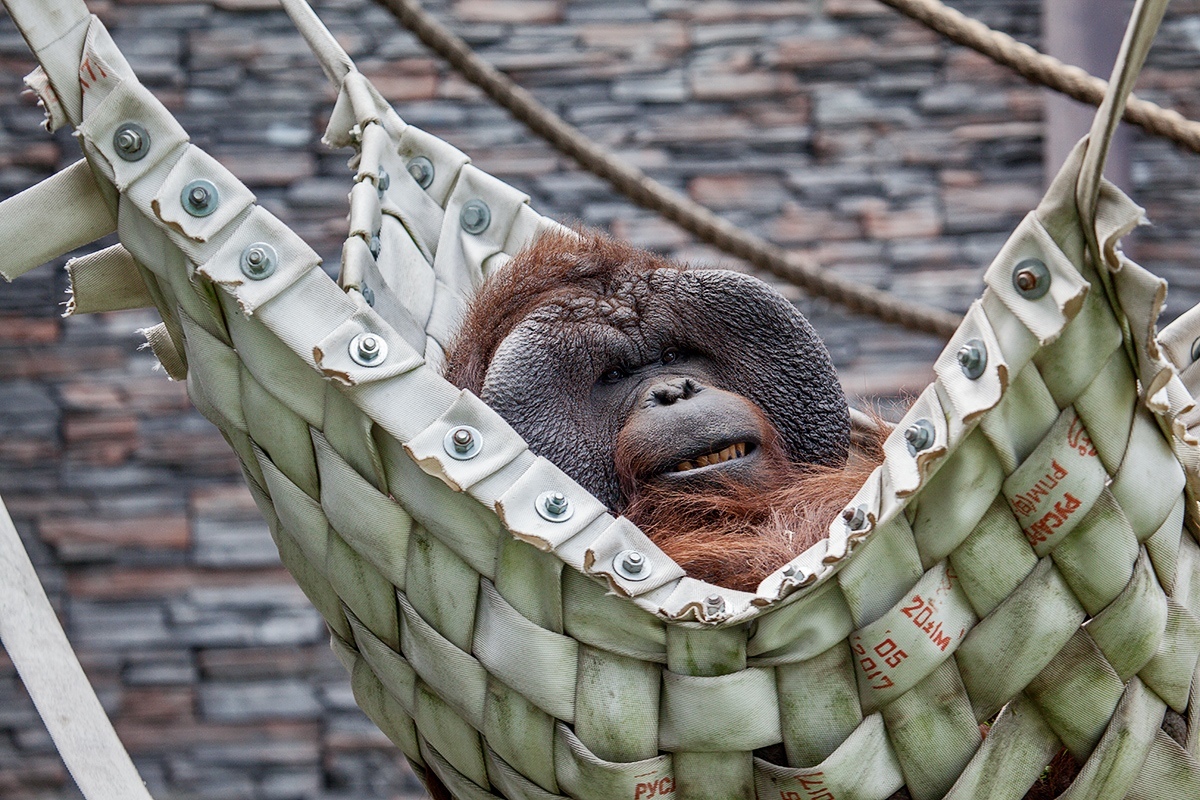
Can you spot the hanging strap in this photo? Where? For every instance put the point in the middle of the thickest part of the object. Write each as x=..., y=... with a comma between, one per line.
x=1139, y=35
x=37, y=645
x=334, y=60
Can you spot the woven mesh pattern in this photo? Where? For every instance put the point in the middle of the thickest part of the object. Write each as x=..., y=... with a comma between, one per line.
x=1027, y=549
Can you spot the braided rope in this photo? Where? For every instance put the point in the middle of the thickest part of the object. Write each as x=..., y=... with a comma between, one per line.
x=648, y=193
x=1046, y=70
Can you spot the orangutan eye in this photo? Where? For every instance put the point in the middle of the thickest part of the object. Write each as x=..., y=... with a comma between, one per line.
x=670, y=355
x=614, y=375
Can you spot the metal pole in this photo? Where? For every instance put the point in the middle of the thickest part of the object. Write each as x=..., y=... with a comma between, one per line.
x=1086, y=33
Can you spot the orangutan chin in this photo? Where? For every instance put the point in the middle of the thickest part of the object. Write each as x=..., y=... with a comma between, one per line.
x=697, y=402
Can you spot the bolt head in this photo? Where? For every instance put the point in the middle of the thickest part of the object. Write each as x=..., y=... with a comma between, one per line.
x=463, y=443
x=1031, y=278
x=632, y=565
x=383, y=181
x=554, y=506
x=714, y=604
x=972, y=357
x=131, y=141
x=919, y=435
x=855, y=518
x=475, y=217
x=1196, y=351
x=258, y=261
x=421, y=170
x=368, y=295
x=200, y=198
x=368, y=350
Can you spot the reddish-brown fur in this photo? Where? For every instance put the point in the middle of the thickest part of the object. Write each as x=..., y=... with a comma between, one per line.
x=548, y=271
x=735, y=535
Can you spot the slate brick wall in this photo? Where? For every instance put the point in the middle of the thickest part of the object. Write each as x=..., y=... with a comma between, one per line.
x=832, y=127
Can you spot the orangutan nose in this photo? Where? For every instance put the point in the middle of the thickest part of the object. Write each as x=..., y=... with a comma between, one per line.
x=665, y=393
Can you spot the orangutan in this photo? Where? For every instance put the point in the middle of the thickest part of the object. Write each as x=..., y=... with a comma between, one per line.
x=699, y=403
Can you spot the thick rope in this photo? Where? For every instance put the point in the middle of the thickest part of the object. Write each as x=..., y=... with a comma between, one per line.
x=648, y=193
x=1046, y=70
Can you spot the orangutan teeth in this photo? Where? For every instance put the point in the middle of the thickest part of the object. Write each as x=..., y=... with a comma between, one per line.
x=737, y=450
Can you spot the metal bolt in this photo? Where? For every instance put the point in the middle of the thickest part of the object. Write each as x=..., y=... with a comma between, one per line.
x=199, y=198
x=1031, y=278
x=463, y=442
x=714, y=604
x=1196, y=351
x=856, y=518
x=554, y=506
x=794, y=574
x=972, y=357
x=383, y=181
x=368, y=294
x=632, y=565
x=475, y=217
x=421, y=169
x=131, y=141
x=375, y=245
x=368, y=349
x=258, y=261
x=920, y=436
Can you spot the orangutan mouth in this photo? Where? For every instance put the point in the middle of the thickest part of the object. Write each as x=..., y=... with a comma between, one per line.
x=733, y=451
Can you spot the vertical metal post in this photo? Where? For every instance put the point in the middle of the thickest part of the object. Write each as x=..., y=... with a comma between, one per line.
x=1086, y=33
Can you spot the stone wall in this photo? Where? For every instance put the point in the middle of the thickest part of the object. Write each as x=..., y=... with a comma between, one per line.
x=832, y=127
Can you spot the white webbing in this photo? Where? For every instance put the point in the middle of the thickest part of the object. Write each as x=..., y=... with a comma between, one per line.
x=1139, y=35
x=334, y=60
x=79, y=216
x=37, y=645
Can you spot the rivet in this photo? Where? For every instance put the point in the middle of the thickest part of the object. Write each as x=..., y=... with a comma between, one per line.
x=554, y=506
x=368, y=349
x=258, y=261
x=920, y=436
x=383, y=181
x=368, y=294
x=855, y=518
x=1031, y=278
x=463, y=442
x=475, y=217
x=1196, y=351
x=714, y=604
x=421, y=169
x=131, y=141
x=199, y=198
x=375, y=245
x=972, y=357
x=632, y=565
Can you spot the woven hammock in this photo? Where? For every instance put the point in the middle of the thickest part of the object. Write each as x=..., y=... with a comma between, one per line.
x=1025, y=555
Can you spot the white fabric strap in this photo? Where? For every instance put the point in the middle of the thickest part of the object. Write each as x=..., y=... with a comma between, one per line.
x=334, y=60
x=77, y=212
x=54, y=31
x=1139, y=35
x=37, y=645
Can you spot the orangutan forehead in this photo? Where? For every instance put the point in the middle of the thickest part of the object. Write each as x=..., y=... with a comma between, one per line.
x=629, y=302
